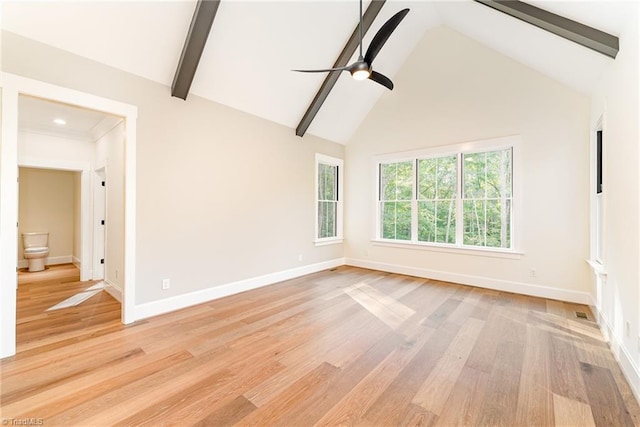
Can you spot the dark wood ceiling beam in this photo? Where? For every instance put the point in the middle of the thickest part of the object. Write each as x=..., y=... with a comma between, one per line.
x=201, y=24
x=584, y=35
x=349, y=49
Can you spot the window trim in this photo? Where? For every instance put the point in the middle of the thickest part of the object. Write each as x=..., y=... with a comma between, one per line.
x=339, y=163
x=514, y=142
x=598, y=242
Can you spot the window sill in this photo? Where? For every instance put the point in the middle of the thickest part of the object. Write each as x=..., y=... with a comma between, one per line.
x=484, y=252
x=597, y=268
x=326, y=242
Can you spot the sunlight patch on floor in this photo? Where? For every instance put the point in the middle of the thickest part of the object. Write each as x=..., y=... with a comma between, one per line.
x=386, y=308
x=79, y=297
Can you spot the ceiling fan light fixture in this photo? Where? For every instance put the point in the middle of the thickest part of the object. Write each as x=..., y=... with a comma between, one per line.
x=360, y=70
x=361, y=74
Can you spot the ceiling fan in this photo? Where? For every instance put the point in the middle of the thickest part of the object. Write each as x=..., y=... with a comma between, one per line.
x=362, y=69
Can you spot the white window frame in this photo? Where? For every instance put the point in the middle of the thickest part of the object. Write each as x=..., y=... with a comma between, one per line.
x=494, y=144
x=598, y=216
x=339, y=163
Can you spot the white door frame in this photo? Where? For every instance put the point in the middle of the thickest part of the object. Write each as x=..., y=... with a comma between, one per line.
x=99, y=213
x=12, y=86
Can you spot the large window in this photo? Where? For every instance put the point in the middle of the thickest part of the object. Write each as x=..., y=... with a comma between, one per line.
x=458, y=196
x=328, y=199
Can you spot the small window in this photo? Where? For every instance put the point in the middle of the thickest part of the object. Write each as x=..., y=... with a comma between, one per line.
x=486, y=198
x=599, y=200
x=437, y=198
x=396, y=193
x=328, y=199
x=599, y=162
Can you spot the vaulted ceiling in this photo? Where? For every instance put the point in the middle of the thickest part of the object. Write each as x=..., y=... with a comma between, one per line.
x=253, y=45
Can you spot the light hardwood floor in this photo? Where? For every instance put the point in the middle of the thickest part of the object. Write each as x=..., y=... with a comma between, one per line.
x=342, y=347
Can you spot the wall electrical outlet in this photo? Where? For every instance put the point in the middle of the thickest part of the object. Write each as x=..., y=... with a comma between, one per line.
x=166, y=283
x=300, y=257
x=532, y=272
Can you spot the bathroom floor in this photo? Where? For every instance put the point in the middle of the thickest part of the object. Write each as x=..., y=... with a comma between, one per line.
x=54, y=302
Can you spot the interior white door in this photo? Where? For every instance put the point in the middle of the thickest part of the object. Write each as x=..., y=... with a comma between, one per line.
x=100, y=221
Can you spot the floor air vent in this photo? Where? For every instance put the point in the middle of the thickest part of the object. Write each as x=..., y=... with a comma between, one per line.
x=581, y=315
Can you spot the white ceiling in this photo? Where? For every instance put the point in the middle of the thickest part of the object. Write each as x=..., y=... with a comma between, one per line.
x=254, y=44
x=38, y=115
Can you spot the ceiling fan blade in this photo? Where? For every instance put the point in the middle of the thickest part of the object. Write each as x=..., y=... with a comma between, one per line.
x=381, y=79
x=383, y=34
x=324, y=70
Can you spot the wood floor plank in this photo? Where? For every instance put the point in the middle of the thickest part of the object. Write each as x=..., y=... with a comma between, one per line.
x=207, y=396
x=155, y=414
x=571, y=413
x=304, y=358
x=566, y=376
x=229, y=414
x=338, y=386
x=276, y=412
x=389, y=407
x=466, y=403
x=436, y=389
x=607, y=405
x=483, y=355
x=440, y=315
x=194, y=410
x=405, y=351
x=415, y=415
x=501, y=394
x=352, y=407
x=65, y=397
x=535, y=403
x=138, y=395
x=43, y=381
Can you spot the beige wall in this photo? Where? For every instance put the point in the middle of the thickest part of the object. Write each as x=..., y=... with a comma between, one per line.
x=616, y=99
x=452, y=90
x=47, y=204
x=222, y=195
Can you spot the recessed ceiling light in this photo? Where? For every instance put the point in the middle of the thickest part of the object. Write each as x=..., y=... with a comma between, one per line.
x=60, y=121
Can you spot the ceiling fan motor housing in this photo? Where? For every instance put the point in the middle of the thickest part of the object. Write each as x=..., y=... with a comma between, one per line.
x=360, y=70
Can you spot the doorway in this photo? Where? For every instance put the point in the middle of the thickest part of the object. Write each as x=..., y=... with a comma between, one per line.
x=12, y=87
x=50, y=202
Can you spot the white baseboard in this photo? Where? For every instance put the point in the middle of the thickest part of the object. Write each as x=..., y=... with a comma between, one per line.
x=142, y=311
x=629, y=368
x=113, y=290
x=479, y=281
x=76, y=261
x=52, y=260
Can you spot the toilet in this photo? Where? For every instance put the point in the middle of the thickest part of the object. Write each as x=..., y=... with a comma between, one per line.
x=36, y=249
